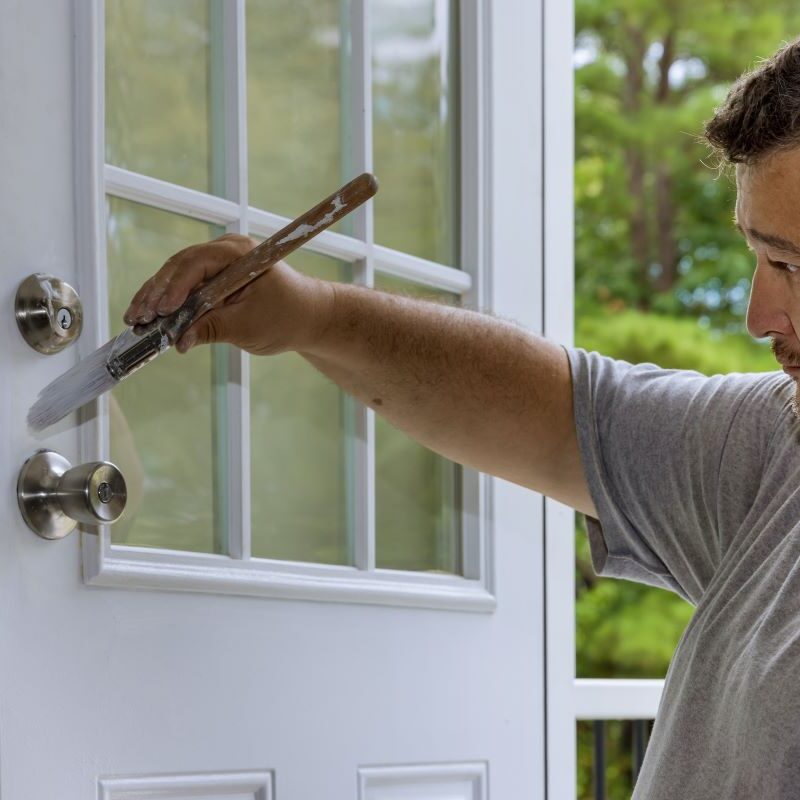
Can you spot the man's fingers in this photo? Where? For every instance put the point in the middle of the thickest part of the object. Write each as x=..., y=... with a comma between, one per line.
x=210, y=328
x=169, y=287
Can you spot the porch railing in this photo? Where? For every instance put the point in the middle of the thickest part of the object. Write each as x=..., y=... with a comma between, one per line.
x=633, y=735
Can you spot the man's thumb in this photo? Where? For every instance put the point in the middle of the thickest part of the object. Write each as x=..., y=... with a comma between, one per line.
x=210, y=328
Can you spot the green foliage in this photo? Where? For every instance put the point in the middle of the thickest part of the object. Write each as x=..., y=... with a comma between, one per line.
x=653, y=223
x=656, y=252
x=623, y=629
x=672, y=343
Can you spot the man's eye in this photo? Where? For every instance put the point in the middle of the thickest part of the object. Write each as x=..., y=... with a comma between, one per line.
x=784, y=266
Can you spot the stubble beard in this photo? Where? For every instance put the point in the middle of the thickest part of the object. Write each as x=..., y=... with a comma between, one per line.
x=780, y=351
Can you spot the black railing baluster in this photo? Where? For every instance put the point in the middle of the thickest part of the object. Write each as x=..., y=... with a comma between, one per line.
x=599, y=763
x=611, y=742
x=639, y=745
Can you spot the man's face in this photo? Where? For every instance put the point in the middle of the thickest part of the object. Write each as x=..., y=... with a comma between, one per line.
x=768, y=213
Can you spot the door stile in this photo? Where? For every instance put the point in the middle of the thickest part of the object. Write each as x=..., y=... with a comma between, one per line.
x=361, y=432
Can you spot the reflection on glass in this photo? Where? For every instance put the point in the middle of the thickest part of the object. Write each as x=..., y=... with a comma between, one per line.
x=418, y=493
x=161, y=418
x=295, y=95
x=301, y=433
x=159, y=87
x=415, y=126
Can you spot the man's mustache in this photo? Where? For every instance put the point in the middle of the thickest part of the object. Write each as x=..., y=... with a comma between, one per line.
x=783, y=353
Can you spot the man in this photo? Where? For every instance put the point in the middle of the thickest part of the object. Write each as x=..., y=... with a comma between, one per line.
x=688, y=482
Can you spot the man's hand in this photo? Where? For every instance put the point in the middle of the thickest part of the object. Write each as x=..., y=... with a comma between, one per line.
x=281, y=310
x=476, y=389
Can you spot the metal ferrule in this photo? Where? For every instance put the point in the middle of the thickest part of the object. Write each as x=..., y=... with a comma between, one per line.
x=136, y=351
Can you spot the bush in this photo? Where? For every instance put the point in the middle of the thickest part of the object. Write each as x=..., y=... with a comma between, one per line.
x=671, y=343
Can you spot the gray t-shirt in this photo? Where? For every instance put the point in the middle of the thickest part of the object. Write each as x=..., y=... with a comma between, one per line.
x=696, y=482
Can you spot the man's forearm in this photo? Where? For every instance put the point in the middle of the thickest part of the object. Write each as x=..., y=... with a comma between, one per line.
x=476, y=389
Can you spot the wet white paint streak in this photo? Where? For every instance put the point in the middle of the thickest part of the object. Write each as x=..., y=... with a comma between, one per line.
x=303, y=230
x=51, y=295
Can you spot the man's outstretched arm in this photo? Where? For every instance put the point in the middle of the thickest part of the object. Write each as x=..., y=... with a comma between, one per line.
x=478, y=390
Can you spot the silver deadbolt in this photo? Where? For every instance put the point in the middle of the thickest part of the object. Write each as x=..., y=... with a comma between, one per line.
x=49, y=313
x=54, y=496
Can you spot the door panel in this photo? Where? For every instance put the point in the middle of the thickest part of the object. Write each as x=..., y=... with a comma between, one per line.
x=99, y=686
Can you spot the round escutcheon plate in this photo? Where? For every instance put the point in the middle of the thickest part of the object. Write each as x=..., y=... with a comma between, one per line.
x=49, y=313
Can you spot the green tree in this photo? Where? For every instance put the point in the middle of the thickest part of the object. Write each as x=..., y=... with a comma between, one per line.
x=653, y=222
x=655, y=243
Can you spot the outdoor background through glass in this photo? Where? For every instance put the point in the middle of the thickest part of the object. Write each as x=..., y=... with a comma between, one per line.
x=162, y=420
x=661, y=275
x=415, y=109
x=417, y=493
x=301, y=429
x=297, y=102
x=158, y=89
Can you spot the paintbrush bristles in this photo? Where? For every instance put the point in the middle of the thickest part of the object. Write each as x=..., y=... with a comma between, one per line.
x=88, y=379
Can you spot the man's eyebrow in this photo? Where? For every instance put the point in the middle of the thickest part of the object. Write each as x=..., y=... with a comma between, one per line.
x=771, y=239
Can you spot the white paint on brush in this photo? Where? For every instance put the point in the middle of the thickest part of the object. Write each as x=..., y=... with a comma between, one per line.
x=88, y=379
x=306, y=230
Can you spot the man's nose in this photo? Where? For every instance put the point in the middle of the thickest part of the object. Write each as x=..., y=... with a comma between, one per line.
x=766, y=312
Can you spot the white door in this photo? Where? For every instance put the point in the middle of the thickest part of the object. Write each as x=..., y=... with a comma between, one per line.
x=298, y=603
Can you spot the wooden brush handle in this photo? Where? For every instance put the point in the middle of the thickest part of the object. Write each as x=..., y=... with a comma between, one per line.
x=252, y=265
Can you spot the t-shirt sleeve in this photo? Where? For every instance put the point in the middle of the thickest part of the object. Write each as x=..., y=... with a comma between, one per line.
x=673, y=460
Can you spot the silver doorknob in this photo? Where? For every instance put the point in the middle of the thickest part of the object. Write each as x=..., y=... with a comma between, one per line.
x=54, y=496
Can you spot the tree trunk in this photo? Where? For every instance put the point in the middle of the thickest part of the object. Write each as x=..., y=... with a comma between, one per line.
x=665, y=231
x=665, y=208
x=635, y=163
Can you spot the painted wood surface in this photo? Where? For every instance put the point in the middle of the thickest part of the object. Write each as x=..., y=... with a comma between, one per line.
x=103, y=687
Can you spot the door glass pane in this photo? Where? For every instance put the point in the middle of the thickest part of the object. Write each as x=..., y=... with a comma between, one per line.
x=418, y=493
x=301, y=437
x=415, y=126
x=159, y=86
x=295, y=93
x=162, y=434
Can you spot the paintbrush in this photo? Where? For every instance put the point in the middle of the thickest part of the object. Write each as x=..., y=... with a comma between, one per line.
x=137, y=346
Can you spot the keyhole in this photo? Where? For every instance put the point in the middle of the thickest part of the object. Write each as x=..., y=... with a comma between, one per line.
x=64, y=318
x=105, y=492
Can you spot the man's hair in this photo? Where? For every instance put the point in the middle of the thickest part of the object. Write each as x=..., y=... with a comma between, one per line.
x=762, y=111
